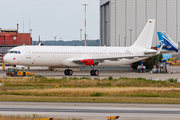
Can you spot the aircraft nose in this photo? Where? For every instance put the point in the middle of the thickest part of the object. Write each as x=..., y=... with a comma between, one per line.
x=10, y=59
x=6, y=59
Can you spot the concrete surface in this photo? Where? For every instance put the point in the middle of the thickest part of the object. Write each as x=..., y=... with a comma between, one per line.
x=94, y=111
x=102, y=74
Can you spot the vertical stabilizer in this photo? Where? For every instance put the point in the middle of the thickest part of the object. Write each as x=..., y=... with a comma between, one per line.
x=168, y=42
x=167, y=39
x=160, y=36
x=146, y=36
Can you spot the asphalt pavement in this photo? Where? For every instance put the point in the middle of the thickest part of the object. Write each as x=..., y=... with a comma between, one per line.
x=93, y=111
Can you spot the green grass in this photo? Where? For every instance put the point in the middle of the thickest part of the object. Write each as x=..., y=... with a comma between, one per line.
x=96, y=94
x=30, y=117
x=43, y=82
x=70, y=87
x=91, y=99
x=104, y=92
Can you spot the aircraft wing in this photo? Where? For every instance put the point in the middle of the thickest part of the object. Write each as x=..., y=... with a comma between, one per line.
x=100, y=60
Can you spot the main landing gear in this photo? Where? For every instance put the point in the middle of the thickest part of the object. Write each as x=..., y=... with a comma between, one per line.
x=68, y=72
x=94, y=72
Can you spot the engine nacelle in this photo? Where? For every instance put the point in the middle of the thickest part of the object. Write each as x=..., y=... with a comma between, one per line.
x=88, y=61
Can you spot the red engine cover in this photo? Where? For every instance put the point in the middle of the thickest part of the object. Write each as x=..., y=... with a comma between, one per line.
x=88, y=61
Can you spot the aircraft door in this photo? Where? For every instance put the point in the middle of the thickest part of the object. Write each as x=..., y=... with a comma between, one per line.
x=28, y=53
x=78, y=53
x=104, y=53
x=135, y=52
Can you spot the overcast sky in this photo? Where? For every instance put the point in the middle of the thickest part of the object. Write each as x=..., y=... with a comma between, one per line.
x=49, y=18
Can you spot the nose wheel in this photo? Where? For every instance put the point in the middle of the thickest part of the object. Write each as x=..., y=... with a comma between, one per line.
x=68, y=72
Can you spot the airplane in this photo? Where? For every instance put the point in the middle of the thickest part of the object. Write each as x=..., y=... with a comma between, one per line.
x=80, y=56
x=165, y=39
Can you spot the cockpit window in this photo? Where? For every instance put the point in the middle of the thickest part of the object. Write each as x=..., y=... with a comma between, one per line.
x=11, y=52
x=16, y=52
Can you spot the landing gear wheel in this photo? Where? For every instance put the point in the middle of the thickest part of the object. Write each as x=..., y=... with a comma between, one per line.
x=96, y=72
x=68, y=72
x=92, y=72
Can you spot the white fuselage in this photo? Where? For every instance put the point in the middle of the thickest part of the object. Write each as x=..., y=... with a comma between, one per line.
x=73, y=56
x=64, y=55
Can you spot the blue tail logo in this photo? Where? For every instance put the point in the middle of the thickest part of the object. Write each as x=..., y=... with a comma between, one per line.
x=169, y=44
x=161, y=40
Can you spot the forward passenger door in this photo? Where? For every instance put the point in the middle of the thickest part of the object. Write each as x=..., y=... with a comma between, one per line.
x=28, y=53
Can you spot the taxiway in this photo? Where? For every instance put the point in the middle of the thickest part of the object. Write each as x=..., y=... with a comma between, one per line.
x=94, y=111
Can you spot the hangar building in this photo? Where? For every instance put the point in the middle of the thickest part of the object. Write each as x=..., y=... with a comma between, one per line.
x=121, y=21
x=10, y=38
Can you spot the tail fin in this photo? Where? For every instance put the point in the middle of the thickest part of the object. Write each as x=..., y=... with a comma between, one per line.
x=166, y=38
x=169, y=43
x=146, y=36
x=160, y=36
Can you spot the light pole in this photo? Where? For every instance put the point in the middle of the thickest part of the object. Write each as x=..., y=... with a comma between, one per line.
x=125, y=41
x=55, y=39
x=85, y=24
x=39, y=39
x=60, y=40
x=130, y=35
x=80, y=36
x=30, y=30
x=119, y=40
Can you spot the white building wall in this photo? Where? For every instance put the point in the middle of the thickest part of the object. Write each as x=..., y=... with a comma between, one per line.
x=120, y=25
x=140, y=16
x=130, y=22
x=161, y=15
x=151, y=14
x=133, y=14
x=178, y=20
x=171, y=19
x=112, y=22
